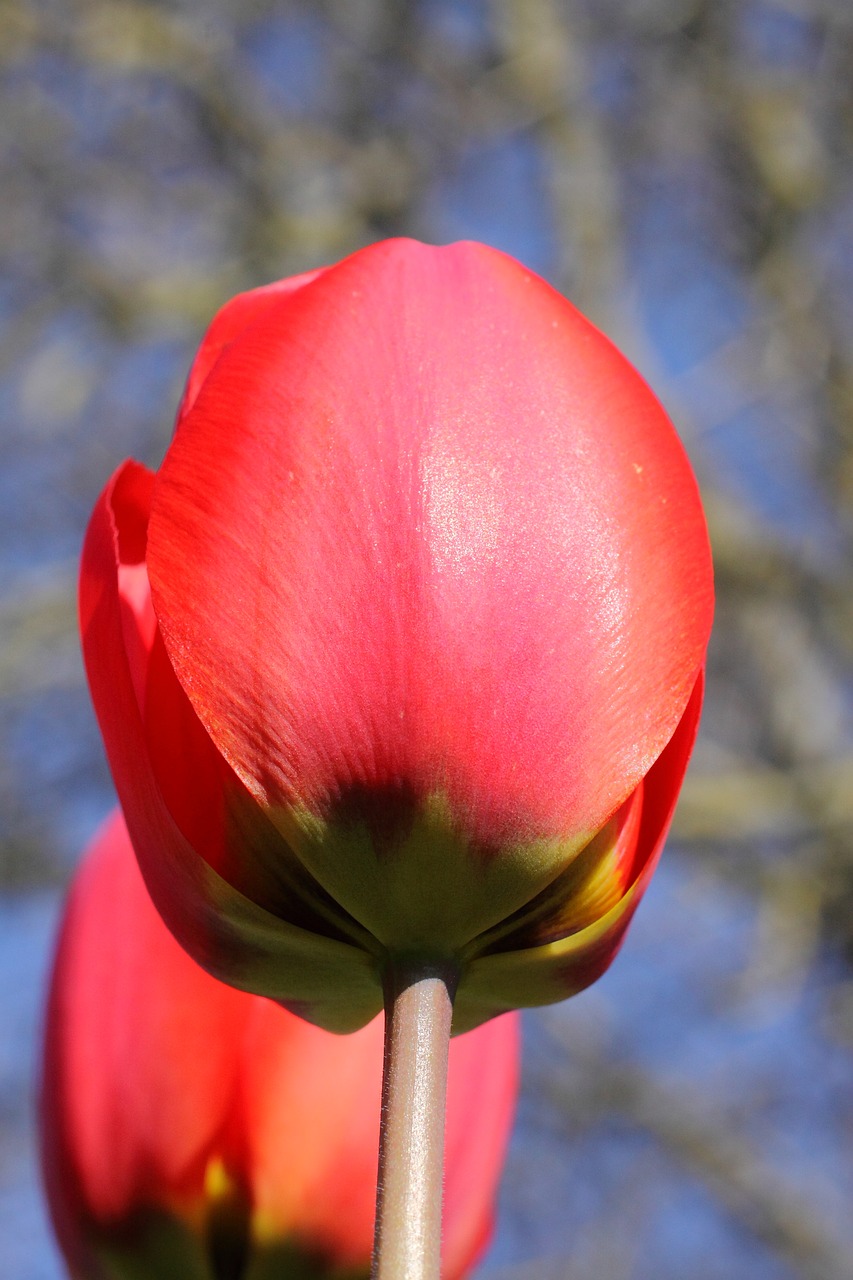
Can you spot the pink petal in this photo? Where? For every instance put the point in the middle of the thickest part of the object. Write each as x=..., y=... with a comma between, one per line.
x=225, y=931
x=424, y=531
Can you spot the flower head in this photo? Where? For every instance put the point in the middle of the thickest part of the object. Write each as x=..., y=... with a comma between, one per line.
x=401, y=650
x=191, y=1129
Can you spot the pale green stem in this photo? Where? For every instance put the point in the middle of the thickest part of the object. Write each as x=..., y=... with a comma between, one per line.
x=418, y=1011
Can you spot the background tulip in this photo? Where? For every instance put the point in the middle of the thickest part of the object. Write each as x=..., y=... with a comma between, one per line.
x=191, y=1130
x=400, y=653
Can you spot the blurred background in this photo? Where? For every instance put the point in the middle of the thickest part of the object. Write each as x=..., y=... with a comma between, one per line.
x=682, y=170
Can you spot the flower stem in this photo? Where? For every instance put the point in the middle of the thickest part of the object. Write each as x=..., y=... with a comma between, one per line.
x=418, y=1011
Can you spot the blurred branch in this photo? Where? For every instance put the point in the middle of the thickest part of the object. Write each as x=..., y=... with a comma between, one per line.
x=707, y=1143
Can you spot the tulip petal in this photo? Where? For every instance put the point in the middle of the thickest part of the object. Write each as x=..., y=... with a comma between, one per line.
x=332, y=1142
x=324, y=978
x=591, y=885
x=114, y=990
x=209, y=804
x=544, y=974
x=229, y=322
x=425, y=536
x=481, y=1093
x=217, y=816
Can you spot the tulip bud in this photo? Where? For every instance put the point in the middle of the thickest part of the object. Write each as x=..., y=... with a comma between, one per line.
x=191, y=1130
x=400, y=653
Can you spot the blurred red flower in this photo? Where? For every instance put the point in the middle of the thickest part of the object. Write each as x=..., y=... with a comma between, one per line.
x=401, y=650
x=189, y=1129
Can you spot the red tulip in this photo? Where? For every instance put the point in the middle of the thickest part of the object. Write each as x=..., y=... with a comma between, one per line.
x=188, y=1126
x=401, y=650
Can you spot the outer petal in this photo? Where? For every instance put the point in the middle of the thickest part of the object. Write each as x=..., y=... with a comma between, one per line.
x=481, y=1090
x=311, y=1166
x=517, y=974
x=231, y=935
x=425, y=538
x=119, y=1131
x=228, y=323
